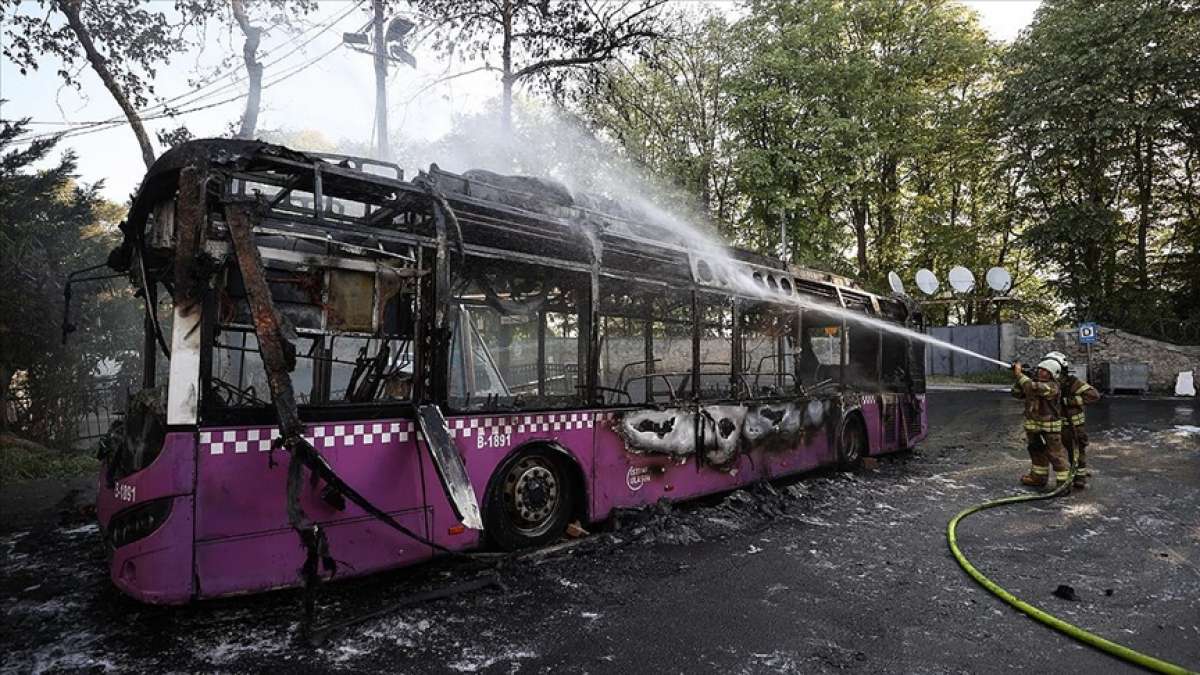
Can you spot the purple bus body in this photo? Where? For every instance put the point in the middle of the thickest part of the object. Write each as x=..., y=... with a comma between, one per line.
x=228, y=533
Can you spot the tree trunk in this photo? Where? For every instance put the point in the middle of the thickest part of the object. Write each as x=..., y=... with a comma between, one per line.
x=506, y=79
x=5, y=379
x=253, y=68
x=886, y=213
x=858, y=210
x=70, y=9
x=954, y=196
x=1145, y=185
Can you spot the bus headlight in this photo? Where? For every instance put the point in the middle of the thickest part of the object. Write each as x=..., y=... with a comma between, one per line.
x=138, y=522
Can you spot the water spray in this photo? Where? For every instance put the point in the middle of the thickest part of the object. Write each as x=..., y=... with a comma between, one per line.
x=538, y=150
x=744, y=282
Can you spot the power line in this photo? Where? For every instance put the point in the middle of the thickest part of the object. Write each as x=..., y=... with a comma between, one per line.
x=105, y=126
x=320, y=29
x=195, y=96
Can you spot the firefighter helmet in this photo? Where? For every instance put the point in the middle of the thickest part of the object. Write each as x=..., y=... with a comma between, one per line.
x=1051, y=366
x=1058, y=356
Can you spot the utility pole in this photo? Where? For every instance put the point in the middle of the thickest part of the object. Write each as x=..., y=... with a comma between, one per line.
x=381, y=69
x=386, y=43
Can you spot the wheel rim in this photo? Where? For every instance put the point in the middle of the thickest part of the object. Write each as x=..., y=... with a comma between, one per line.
x=532, y=495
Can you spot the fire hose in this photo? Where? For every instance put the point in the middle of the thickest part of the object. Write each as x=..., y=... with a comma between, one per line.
x=1091, y=639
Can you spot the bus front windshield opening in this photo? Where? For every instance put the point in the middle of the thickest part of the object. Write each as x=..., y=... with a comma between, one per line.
x=353, y=336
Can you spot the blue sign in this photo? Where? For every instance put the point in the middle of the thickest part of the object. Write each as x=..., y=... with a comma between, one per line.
x=1088, y=333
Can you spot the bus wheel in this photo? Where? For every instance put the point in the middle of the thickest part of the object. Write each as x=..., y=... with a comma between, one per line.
x=528, y=501
x=853, y=446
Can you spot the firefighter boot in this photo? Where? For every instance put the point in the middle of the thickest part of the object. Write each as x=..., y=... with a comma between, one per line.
x=1082, y=473
x=1037, y=476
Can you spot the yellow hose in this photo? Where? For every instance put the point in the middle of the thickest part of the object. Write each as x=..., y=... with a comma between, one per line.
x=1117, y=650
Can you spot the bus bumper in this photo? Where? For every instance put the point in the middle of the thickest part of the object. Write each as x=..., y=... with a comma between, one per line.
x=157, y=569
x=146, y=518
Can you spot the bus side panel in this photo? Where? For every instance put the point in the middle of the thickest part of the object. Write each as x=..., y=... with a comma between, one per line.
x=170, y=474
x=244, y=540
x=872, y=413
x=626, y=479
x=816, y=449
x=915, y=413
x=485, y=442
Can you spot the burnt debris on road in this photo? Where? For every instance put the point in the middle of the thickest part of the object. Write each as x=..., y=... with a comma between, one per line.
x=834, y=571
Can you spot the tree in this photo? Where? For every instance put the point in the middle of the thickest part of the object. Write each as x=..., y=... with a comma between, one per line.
x=254, y=69
x=254, y=18
x=1100, y=108
x=539, y=40
x=855, y=118
x=669, y=112
x=49, y=226
x=123, y=41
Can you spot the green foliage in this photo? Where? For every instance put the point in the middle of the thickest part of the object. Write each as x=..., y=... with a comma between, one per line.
x=858, y=124
x=889, y=135
x=1099, y=108
x=29, y=461
x=862, y=128
x=136, y=38
x=539, y=42
x=671, y=112
x=49, y=226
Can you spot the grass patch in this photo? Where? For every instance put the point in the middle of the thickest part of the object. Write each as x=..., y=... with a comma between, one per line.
x=22, y=460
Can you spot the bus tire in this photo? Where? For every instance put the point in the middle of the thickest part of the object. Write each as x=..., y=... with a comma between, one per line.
x=852, y=445
x=530, y=500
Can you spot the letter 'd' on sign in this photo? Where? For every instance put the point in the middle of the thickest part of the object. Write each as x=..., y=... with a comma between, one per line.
x=1088, y=333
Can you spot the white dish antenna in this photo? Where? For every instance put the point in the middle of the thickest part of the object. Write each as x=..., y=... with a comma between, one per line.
x=927, y=281
x=961, y=279
x=998, y=279
x=895, y=283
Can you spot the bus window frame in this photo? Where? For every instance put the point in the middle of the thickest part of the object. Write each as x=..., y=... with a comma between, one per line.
x=322, y=409
x=429, y=355
x=564, y=278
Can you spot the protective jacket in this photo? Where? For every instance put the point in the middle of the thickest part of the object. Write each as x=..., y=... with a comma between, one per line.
x=1075, y=394
x=1043, y=407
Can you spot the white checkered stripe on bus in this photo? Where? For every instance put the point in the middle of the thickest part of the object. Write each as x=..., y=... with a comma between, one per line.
x=240, y=441
x=520, y=424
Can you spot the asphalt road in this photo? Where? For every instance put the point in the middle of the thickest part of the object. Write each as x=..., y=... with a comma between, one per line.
x=833, y=572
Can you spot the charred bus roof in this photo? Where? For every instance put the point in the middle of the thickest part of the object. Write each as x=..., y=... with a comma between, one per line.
x=363, y=205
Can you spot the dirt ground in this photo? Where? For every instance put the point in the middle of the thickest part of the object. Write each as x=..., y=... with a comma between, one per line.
x=832, y=572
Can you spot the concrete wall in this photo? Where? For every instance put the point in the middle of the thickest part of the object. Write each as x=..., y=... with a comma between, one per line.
x=1165, y=360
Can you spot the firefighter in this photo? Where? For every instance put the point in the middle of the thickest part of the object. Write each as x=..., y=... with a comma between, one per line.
x=1043, y=423
x=1076, y=393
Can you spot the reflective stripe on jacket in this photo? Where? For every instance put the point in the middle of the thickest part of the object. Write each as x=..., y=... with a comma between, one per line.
x=1042, y=405
x=1075, y=394
x=1043, y=426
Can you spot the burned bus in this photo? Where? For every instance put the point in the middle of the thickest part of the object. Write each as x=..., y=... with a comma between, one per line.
x=349, y=371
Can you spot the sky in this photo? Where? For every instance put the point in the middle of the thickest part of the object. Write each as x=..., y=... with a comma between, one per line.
x=334, y=95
